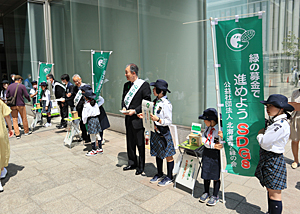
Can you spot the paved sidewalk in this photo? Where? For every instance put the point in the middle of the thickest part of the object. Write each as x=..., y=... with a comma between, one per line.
x=44, y=176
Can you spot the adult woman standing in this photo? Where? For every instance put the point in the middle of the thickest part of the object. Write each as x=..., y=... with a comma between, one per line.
x=4, y=143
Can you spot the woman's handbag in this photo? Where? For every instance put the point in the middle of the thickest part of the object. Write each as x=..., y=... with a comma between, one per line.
x=11, y=101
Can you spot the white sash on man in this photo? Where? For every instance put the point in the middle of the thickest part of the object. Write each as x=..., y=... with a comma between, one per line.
x=58, y=83
x=78, y=95
x=134, y=88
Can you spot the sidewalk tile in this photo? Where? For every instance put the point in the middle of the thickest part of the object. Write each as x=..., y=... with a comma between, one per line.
x=180, y=207
x=12, y=201
x=162, y=201
x=65, y=204
x=141, y=195
x=28, y=209
x=258, y=198
x=245, y=208
x=54, y=193
x=85, y=210
x=122, y=206
x=97, y=202
x=236, y=191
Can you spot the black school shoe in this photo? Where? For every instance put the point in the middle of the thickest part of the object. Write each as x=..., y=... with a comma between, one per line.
x=61, y=126
x=132, y=167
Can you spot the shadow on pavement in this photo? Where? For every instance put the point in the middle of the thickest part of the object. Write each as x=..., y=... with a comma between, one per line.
x=12, y=170
x=242, y=207
x=298, y=185
x=288, y=160
x=198, y=190
x=122, y=159
x=149, y=171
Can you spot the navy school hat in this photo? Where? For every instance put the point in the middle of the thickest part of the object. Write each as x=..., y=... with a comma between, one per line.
x=43, y=84
x=34, y=82
x=85, y=87
x=279, y=101
x=89, y=94
x=161, y=84
x=210, y=114
x=5, y=81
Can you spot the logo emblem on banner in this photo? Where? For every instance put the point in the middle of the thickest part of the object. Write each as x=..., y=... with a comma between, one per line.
x=47, y=70
x=238, y=39
x=101, y=62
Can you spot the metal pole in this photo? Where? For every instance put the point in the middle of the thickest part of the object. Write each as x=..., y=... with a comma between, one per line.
x=218, y=100
x=92, y=65
x=38, y=84
x=225, y=17
x=95, y=51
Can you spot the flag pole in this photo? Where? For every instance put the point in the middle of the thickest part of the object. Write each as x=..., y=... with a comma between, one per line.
x=218, y=99
x=92, y=65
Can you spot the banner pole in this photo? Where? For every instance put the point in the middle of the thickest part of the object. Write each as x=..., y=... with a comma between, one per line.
x=38, y=84
x=218, y=101
x=92, y=65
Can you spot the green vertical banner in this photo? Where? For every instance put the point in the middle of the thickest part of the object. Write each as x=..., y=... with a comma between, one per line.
x=240, y=65
x=100, y=60
x=44, y=69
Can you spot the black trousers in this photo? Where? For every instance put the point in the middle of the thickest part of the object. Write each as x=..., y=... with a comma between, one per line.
x=84, y=134
x=135, y=138
x=63, y=112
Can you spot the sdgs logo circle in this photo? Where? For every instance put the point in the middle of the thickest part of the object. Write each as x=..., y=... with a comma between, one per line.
x=101, y=62
x=238, y=39
x=47, y=70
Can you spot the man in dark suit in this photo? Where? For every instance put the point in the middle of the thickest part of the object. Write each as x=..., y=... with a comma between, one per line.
x=134, y=91
x=79, y=106
x=59, y=92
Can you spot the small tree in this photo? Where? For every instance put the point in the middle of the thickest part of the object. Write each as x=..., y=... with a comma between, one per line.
x=291, y=45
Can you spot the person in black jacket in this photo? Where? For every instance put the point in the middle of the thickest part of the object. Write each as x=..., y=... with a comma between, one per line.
x=134, y=91
x=79, y=101
x=69, y=97
x=59, y=92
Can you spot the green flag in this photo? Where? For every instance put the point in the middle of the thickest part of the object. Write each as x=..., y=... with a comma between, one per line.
x=100, y=60
x=240, y=59
x=44, y=69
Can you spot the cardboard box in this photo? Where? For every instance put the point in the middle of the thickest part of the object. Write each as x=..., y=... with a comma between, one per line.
x=74, y=114
x=195, y=139
x=295, y=105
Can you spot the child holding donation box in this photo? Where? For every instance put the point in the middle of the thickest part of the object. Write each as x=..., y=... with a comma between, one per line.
x=90, y=116
x=161, y=143
x=271, y=169
x=211, y=164
x=46, y=102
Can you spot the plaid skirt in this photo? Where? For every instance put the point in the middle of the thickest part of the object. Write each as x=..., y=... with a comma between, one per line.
x=93, y=125
x=161, y=146
x=271, y=170
x=44, y=105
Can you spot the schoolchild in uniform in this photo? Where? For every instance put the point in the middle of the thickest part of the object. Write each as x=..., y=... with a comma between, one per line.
x=161, y=143
x=46, y=102
x=271, y=169
x=104, y=122
x=33, y=92
x=90, y=116
x=211, y=164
